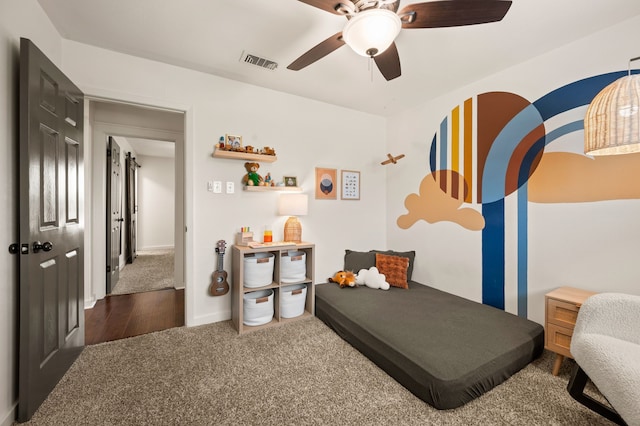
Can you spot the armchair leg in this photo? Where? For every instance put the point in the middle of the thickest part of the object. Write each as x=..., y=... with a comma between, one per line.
x=576, y=389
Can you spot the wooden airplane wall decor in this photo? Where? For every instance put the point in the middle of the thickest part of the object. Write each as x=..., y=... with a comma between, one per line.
x=392, y=159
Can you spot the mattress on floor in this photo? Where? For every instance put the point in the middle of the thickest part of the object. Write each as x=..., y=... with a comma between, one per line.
x=445, y=349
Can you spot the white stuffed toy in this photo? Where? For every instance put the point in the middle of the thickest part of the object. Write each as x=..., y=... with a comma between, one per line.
x=372, y=278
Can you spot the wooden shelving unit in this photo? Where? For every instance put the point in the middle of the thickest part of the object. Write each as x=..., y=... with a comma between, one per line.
x=219, y=153
x=238, y=289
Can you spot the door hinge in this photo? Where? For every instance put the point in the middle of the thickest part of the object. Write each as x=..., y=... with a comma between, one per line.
x=108, y=268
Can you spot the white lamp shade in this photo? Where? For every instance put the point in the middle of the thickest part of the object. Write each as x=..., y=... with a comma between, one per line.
x=372, y=31
x=292, y=205
x=612, y=121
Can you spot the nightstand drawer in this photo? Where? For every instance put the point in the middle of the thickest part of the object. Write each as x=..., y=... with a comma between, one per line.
x=558, y=339
x=562, y=313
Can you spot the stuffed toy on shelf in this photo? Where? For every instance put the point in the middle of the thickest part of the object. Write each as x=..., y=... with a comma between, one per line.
x=252, y=178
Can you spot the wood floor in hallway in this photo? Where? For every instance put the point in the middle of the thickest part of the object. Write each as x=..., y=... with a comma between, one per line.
x=120, y=316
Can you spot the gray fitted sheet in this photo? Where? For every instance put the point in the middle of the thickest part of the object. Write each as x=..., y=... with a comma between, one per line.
x=445, y=349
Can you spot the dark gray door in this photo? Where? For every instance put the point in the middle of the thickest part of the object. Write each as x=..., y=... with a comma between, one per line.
x=130, y=212
x=114, y=214
x=51, y=235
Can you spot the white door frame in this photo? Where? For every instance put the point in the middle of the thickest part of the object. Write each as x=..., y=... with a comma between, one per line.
x=95, y=266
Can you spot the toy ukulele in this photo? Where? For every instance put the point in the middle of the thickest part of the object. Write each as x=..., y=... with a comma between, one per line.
x=219, y=285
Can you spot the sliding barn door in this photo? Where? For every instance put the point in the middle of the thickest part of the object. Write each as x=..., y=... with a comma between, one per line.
x=130, y=211
x=114, y=214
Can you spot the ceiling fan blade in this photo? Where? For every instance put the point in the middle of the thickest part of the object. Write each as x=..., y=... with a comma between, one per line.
x=326, y=5
x=388, y=62
x=453, y=13
x=319, y=51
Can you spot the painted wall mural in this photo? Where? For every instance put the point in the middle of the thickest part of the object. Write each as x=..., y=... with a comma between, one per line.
x=497, y=144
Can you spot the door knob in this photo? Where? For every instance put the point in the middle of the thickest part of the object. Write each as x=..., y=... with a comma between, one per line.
x=37, y=246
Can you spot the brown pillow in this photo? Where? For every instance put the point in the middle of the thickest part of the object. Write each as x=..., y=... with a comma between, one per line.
x=394, y=269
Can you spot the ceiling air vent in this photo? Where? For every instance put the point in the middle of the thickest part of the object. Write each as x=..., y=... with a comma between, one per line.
x=248, y=58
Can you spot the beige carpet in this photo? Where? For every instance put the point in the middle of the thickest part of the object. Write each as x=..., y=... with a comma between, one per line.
x=301, y=373
x=151, y=270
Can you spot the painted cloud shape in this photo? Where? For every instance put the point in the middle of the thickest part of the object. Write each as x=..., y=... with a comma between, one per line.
x=433, y=205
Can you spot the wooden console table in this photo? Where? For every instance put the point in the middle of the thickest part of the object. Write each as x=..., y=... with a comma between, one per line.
x=561, y=311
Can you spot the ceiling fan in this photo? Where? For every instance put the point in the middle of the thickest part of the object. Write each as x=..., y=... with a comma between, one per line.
x=373, y=25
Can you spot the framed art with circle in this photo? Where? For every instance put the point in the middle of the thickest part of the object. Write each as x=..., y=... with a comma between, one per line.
x=326, y=184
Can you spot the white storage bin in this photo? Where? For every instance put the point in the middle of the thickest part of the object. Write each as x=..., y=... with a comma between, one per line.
x=258, y=307
x=258, y=269
x=293, y=266
x=292, y=300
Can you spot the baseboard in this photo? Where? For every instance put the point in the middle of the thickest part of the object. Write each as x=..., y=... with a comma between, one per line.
x=209, y=319
x=89, y=303
x=10, y=417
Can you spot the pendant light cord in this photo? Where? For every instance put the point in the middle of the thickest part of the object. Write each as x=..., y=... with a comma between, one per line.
x=631, y=60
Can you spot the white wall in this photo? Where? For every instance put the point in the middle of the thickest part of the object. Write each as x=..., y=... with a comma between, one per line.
x=567, y=242
x=304, y=133
x=17, y=19
x=156, y=199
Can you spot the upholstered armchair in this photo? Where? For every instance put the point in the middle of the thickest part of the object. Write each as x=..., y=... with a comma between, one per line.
x=606, y=347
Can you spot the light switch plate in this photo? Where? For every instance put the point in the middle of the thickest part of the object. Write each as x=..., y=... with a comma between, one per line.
x=217, y=187
x=210, y=186
x=230, y=188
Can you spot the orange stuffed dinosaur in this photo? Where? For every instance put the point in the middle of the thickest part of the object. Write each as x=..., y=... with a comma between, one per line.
x=344, y=279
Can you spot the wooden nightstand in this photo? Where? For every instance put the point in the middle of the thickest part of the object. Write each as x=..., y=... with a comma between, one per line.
x=561, y=311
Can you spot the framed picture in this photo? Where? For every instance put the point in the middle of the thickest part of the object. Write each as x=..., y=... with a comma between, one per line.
x=233, y=142
x=290, y=181
x=350, y=185
x=326, y=184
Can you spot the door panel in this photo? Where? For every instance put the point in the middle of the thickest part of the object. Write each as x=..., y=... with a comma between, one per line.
x=51, y=237
x=130, y=211
x=114, y=214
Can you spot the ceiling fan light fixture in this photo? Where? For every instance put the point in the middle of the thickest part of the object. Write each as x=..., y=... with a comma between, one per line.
x=372, y=31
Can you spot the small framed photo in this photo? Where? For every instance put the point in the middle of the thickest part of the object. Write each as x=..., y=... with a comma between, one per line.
x=290, y=181
x=326, y=184
x=350, y=185
x=233, y=142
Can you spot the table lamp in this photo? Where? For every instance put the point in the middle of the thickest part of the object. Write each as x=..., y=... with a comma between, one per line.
x=292, y=205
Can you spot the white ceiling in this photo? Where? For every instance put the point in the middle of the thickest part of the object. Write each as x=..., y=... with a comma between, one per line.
x=210, y=36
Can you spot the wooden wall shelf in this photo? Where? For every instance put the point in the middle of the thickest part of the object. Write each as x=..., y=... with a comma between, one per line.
x=219, y=153
x=272, y=188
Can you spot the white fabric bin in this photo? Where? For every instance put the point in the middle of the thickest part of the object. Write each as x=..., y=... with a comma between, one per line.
x=258, y=269
x=292, y=300
x=258, y=307
x=293, y=266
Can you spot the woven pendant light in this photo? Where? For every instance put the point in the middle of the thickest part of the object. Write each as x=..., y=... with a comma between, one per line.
x=612, y=121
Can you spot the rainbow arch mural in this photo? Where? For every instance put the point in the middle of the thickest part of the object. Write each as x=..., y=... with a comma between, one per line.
x=493, y=145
